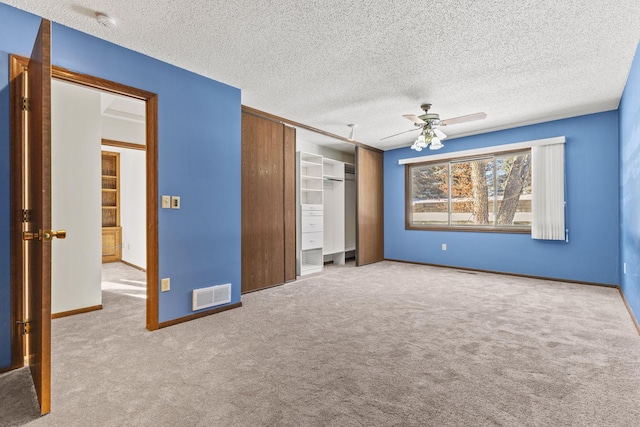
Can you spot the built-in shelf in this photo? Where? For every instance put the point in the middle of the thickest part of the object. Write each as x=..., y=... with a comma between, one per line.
x=309, y=223
x=111, y=230
x=326, y=213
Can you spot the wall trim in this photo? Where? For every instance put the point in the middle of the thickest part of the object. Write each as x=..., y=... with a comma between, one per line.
x=122, y=144
x=76, y=311
x=530, y=276
x=144, y=270
x=626, y=304
x=198, y=315
x=291, y=123
x=8, y=369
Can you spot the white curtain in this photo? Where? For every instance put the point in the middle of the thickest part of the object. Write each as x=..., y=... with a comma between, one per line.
x=547, y=188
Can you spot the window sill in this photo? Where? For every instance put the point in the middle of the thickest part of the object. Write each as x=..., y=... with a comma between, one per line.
x=508, y=230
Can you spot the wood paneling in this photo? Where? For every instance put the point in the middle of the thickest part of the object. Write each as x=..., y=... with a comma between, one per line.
x=289, y=203
x=370, y=209
x=263, y=246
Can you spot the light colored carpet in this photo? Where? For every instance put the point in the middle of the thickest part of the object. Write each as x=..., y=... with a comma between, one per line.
x=388, y=344
x=18, y=400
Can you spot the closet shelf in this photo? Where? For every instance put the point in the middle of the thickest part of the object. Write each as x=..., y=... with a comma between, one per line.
x=308, y=163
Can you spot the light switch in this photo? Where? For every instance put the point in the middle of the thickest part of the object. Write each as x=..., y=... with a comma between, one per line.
x=165, y=285
x=166, y=202
x=175, y=202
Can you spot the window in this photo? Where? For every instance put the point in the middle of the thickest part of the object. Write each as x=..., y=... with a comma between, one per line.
x=491, y=192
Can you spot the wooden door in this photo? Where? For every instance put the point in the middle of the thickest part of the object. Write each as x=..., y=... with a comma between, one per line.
x=263, y=215
x=37, y=201
x=369, y=206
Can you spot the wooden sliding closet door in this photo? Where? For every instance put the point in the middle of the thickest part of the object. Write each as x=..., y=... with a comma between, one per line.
x=268, y=203
x=369, y=206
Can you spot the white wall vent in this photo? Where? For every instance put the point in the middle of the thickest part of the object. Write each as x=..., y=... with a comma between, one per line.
x=212, y=296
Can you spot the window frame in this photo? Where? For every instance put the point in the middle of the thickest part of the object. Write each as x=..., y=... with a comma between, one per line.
x=448, y=161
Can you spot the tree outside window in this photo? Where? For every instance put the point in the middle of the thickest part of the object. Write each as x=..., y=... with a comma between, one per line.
x=492, y=193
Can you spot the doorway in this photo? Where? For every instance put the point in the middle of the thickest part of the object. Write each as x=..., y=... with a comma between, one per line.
x=18, y=69
x=98, y=191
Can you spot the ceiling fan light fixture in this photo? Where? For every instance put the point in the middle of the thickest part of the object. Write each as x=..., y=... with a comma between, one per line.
x=433, y=136
x=435, y=144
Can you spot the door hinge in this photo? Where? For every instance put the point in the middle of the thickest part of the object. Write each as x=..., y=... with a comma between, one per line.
x=26, y=326
x=26, y=215
x=25, y=103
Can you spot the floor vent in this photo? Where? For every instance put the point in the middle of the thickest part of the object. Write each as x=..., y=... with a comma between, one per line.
x=212, y=296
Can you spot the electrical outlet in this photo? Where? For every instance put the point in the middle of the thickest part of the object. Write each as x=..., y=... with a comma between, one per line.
x=166, y=202
x=444, y=246
x=175, y=202
x=165, y=285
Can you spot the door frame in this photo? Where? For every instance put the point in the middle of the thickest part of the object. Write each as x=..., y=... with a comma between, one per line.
x=18, y=65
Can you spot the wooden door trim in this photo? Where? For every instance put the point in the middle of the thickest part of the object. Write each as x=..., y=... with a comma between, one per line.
x=16, y=69
x=18, y=65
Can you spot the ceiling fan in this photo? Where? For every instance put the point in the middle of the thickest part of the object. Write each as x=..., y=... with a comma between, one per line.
x=430, y=135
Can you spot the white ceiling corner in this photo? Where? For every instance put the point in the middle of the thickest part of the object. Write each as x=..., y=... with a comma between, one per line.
x=328, y=63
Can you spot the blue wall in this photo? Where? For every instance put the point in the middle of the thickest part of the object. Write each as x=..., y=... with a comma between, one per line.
x=199, y=145
x=630, y=186
x=591, y=153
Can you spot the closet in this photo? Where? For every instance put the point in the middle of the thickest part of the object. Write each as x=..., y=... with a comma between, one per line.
x=305, y=203
x=326, y=212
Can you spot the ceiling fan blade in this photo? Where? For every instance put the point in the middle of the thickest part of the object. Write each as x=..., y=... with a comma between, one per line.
x=463, y=119
x=415, y=119
x=439, y=133
x=391, y=136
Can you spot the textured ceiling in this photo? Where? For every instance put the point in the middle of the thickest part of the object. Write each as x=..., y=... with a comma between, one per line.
x=327, y=63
